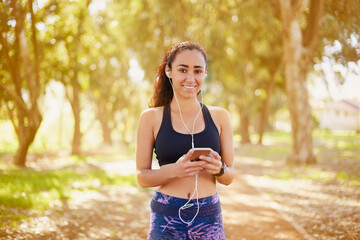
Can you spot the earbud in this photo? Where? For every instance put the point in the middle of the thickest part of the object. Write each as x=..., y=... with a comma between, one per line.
x=168, y=74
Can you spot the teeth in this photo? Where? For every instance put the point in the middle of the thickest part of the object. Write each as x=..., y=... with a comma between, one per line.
x=189, y=87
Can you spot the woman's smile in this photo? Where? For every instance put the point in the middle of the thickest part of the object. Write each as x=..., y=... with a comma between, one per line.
x=187, y=87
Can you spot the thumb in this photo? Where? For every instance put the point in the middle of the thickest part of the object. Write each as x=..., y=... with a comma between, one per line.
x=189, y=154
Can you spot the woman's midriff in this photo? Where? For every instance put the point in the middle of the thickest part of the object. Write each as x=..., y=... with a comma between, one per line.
x=184, y=187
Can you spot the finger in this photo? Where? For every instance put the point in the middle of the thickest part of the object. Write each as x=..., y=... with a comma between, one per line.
x=189, y=154
x=210, y=160
x=197, y=163
x=212, y=169
x=215, y=154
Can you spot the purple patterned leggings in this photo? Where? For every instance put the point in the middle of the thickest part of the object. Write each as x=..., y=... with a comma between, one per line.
x=166, y=224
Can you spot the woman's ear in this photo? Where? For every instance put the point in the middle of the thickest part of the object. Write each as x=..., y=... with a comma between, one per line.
x=167, y=71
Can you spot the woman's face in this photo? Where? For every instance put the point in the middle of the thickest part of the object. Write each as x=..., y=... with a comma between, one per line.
x=188, y=73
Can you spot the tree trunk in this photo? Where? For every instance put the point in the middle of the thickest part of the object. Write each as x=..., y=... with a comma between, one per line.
x=300, y=114
x=183, y=20
x=28, y=127
x=75, y=104
x=106, y=130
x=265, y=106
x=28, y=116
x=296, y=59
x=75, y=101
x=244, y=126
x=21, y=153
x=244, y=110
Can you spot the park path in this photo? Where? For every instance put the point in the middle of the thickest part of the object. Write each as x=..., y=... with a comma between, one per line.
x=248, y=213
x=123, y=212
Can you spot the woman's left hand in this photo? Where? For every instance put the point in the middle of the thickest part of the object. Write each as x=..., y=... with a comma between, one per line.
x=214, y=163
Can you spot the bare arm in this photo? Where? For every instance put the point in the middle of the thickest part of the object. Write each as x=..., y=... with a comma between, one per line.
x=148, y=177
x=226, y=147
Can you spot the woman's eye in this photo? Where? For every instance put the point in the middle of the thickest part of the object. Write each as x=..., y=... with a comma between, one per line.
x=198, y=71
x=182, y=70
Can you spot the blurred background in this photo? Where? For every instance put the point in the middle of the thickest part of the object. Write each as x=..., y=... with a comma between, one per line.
x=76, y=75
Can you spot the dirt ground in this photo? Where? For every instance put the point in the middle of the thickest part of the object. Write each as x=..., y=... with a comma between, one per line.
x=249, y=212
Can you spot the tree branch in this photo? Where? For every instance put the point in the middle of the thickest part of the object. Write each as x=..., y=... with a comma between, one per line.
x=16, y=57
x=5, y=50
x=15, y=97
x=36, y=55
x=275, y=6
x=314, y=19
x=290, y=11
x=298, y=7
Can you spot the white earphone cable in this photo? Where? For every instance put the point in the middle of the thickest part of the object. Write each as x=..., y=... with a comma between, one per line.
x=193, y=129
x=187, y=205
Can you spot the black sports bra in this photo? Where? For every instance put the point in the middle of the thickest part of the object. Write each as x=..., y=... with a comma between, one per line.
x=171, y=145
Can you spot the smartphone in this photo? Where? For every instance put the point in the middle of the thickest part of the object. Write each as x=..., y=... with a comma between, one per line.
x=198, y=152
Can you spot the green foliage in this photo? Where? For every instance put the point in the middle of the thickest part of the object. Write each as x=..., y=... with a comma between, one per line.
x=28, y=189
x=32, y=189
x=337, y=152
x=5, y=216
x=309, y=173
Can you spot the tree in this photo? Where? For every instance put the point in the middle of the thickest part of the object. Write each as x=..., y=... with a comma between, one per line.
x=342, y=28
x=270, y=85
x=237, y=57
x=245, y=61
x=65, y=65
x=21, y=78
x=109, y=87
x=298, y=48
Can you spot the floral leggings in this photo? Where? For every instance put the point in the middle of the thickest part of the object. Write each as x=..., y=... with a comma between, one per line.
x=166, y=224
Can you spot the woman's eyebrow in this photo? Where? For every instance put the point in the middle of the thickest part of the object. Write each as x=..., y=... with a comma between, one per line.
x=184, y=65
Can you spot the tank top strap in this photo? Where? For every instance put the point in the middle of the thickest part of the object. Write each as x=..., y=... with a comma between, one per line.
x=166, y=115
x=207, y=116
x=209, y=121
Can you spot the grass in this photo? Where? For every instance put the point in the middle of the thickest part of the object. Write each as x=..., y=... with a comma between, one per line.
x=338, y=155
x=28, y=189
x=343, y=144
x=316, y=174
x=307, y=173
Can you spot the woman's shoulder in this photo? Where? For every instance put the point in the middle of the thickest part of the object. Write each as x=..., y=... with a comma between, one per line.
x=219, y=115
x=217, y=111
x=151, y=114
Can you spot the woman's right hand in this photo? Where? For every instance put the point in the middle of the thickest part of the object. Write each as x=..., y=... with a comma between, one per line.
x=186, y=168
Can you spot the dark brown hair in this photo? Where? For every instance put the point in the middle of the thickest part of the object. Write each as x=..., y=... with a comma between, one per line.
x=163, y=92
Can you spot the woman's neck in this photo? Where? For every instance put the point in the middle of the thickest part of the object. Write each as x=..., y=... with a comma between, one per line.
x=186, y=106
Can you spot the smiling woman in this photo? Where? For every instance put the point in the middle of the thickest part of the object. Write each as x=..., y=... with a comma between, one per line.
x=174, y=126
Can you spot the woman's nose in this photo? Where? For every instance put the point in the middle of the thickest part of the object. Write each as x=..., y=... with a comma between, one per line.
x=190, y=77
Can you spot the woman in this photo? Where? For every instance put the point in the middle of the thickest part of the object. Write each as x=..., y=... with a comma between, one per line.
x=175, y=123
